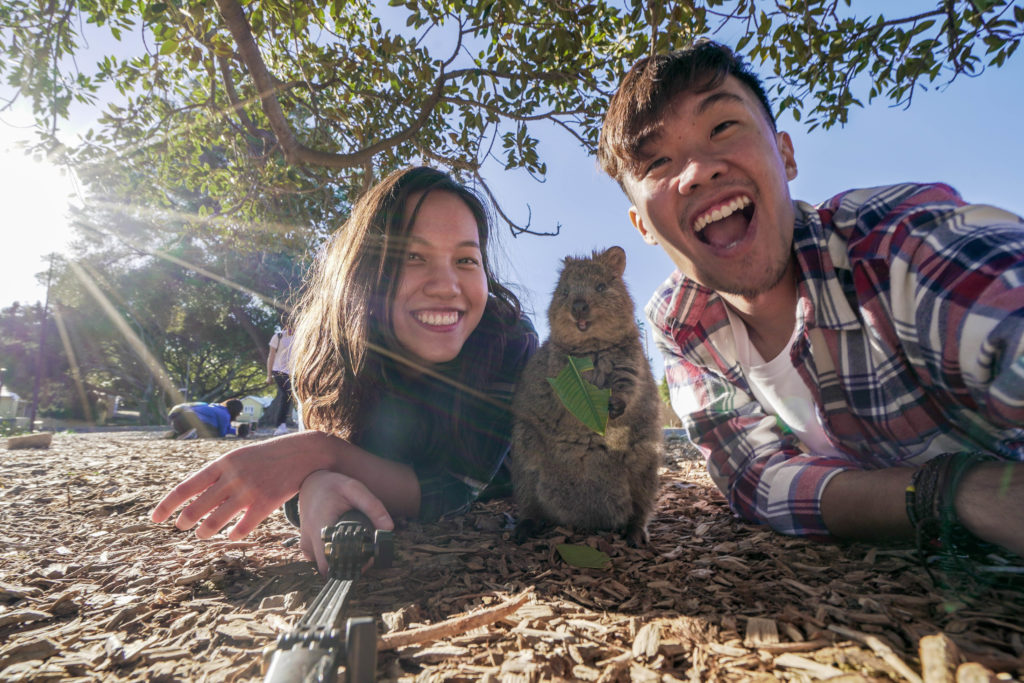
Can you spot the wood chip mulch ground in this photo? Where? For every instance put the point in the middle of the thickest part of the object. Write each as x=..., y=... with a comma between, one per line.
x=90, y=589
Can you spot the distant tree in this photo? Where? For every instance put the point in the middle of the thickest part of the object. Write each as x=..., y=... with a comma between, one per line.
x=20, y=336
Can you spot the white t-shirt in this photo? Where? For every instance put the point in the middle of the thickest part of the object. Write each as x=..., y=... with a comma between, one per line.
x=282, y=341
x=777, y=386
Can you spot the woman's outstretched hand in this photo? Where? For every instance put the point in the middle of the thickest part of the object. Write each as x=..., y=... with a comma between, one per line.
x=255, y=480
x=323, y=498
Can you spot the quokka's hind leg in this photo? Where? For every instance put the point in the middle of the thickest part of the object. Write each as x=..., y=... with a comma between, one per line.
x=636, y=532
x=644, y=494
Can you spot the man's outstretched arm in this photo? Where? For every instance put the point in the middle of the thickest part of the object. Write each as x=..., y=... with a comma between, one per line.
x=871, y=505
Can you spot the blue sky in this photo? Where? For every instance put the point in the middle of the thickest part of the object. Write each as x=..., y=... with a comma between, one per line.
x=969, y=135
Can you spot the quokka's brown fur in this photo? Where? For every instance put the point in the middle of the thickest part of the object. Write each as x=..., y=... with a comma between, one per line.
x=562, y=471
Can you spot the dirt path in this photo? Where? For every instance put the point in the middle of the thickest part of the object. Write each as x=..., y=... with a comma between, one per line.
x=91, y=590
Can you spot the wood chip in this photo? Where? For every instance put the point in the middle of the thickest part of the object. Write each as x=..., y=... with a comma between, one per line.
x=939, y=658
x=761, y=632
x=972, y=672
x=648, y=638
x=26, y=650
x=791, y=661
x=22, y=616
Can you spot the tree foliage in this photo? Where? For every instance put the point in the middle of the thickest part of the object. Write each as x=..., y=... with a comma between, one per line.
x=20, y=337
x=258, y=104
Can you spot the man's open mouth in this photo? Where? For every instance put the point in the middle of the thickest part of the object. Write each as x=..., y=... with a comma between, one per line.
x=725, y=225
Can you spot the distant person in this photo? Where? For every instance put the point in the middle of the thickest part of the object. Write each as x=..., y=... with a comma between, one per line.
x=407, y=351
x=204, y=420
x=850, y=370
x=279, y=371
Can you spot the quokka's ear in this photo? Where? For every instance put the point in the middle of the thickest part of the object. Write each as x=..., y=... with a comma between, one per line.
x=614, y=258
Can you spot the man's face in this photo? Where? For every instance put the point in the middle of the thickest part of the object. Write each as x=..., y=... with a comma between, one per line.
x=711, y=186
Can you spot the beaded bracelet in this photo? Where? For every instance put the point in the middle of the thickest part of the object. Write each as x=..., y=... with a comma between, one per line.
x=931, y=507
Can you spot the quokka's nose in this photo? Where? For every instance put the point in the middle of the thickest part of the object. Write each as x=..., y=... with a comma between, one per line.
x=580, y=307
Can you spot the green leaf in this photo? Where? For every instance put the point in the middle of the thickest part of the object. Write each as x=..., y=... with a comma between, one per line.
x=982, y=5
x=579, y=396
x=583, y=556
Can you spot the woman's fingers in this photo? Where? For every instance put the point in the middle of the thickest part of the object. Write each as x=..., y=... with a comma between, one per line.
x=314, y=552
x=196, y=483
x=369, y=504
x=256, y=513
x=312, y=543
x=219, y=518
x=213, y=498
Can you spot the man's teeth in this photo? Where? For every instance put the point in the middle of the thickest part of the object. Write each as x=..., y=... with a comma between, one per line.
x=447, y=318
x=721, y=212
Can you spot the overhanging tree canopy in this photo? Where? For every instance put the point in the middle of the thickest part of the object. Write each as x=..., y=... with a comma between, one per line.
x=249, y=103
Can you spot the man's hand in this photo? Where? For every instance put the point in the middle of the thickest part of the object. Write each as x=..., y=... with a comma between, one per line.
x=323, y=498
x=255, y=479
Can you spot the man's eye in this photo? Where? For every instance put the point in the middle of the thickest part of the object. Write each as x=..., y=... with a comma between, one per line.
x=654, y=165
x=722, y=127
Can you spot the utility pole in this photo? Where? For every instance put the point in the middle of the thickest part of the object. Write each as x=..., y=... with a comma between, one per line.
x=39, y=355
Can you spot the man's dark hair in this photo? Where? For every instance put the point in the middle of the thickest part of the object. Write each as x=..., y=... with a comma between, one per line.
x=234, y=407
x=637, y=109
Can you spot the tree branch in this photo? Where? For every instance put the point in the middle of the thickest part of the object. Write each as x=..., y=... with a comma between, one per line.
x=294, y=151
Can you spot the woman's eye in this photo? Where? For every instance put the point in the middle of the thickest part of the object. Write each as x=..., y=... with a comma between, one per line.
x=601, y=286
x=413, y=256
x=468, y=261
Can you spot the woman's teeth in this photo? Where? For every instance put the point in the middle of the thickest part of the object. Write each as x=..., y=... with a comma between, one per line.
x=721, y=212
x=438, y=319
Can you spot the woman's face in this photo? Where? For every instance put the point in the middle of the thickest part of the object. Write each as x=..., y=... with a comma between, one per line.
x=442, y=287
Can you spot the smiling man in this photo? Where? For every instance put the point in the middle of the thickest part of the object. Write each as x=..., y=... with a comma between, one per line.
x=850, y=370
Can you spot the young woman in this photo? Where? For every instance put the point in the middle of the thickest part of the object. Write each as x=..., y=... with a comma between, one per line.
x=405, y=356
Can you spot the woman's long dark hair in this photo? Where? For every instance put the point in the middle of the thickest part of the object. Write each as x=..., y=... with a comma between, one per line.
x=343, y=326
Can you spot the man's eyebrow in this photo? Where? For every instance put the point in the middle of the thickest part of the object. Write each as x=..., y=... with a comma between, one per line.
x=716, y=98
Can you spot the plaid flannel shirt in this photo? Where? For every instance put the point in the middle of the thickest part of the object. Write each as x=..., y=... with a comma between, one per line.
x=911, y=339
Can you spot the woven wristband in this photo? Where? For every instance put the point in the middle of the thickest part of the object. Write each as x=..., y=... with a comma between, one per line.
x=931, y=504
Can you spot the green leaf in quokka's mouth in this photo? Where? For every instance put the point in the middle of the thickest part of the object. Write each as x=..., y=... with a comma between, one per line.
x=579, y=396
